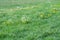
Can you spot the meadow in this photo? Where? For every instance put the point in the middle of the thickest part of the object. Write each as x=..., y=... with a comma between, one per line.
x=29, y=19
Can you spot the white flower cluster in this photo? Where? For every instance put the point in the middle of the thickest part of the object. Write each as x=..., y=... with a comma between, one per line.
x=25, y=19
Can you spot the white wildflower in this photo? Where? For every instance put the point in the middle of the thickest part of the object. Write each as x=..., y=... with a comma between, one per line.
x=25, y=19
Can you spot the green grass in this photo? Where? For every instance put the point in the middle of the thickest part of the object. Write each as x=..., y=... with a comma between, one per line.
x=44, y=23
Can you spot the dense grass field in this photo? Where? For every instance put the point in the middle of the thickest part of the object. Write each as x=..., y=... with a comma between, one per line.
x=29, y=19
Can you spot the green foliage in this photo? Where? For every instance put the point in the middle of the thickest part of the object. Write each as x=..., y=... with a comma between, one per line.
x=30, y=21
